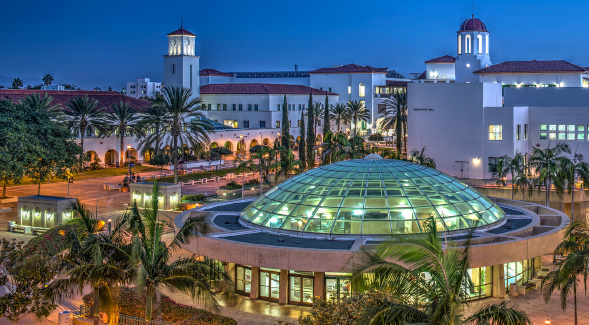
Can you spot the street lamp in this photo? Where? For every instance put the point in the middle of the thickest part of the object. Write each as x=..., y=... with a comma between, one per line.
x=109, y=226
x=129, y=152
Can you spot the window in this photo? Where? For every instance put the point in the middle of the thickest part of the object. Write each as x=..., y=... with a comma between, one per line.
x=224, y=107
x=234, y=106
x=480, y=45
x=542, y=135
x=581, y=128
x=278, y=124
x=349, y=89
x=571, y=128
x=562, y=127
x=278, y=107
x=581, y=136
x=329, y=89
x=493, y=162
x=256, y=107
x=191, y=76
x=518, y=131
x=289, y=107
x=495, y=132
x=562, y=136
x=249, y=107
x=173, y=68
x=552, y=127
x=289, y=124
x=482, y=280
x=552, y=136
x=243, y=283
x=525, y=132
x=467, y=44
x=203, y=106
x=542, y=127
x=299, y=124
x=459, y=44
x=246, y=124
x=571, y=136
x=300, y=107
x=487, y=44
x=262, y=124
x=303, y=107
x=218, y=107
x=209, y=106
x=240, y=107
x=362, y=90
x=518, y=272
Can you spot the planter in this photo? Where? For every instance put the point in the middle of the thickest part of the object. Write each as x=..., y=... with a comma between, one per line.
x=9, y=199
x=229, y=194
x=125, y=189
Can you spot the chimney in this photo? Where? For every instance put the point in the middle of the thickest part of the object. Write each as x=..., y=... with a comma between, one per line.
x=296, y=67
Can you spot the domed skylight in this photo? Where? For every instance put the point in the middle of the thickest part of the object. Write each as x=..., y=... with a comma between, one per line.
x=371, y=197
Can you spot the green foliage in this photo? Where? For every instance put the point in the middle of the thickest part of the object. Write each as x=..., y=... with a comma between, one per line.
x=194, y=197
x=52, y=242
x=340, y=113
x=326, y=117
x=285, y=136
x=376, y=137
x=131, y=303
x=302, y=141
x=47, y=80
x=123, y=120
x=253, y=181
x=17, y=83
x=257, y=148
x=357, y=112
x=395, y=118
x=418, y=156
x=221, y=151
x=310, y=154
x=233, y=185
x=95, y=165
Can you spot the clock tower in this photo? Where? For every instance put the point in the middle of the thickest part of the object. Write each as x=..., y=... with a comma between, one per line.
x=181, y=66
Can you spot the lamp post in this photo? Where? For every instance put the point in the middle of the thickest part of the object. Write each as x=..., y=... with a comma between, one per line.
x=109, y=226
x=128, y=151
x=266, y=156
x=67, y=170
x=242, y=140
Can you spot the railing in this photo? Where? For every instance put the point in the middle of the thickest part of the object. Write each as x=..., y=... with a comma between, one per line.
x=124, y=319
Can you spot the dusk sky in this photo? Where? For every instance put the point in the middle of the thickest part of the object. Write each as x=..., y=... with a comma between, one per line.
x=111, y=42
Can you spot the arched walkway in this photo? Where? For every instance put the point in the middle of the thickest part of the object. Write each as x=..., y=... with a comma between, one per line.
x=147, y=156
x=254, y=143
x=228, y=145
x=266, y=142
x=319, y=139
x=130, y=155
x=241, y=147
x=111, y=157
x=214, y=145
x=90, y=154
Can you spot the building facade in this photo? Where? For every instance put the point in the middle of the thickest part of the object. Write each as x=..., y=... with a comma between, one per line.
x=143, y=88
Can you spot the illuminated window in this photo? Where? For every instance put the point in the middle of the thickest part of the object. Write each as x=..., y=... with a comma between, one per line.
x=518, y=131
x=571, y=128
x=362, y=90
x=571, y=136
x=525, y=131
x=459, y=44
x=495, y=132
x=542, y=135
x=581, y=136
x=543, y=127
x=552, y=136
x=487, y=44
x=552, y=127
x=562, y=136
x=349, y=89
x=480, y=47
x=581, y=128
x=467, y=44
x=562, y=127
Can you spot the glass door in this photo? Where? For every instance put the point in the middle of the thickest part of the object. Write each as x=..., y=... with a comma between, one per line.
x=337, y=287
x=301, y=289
x=269, y=285
x=243, y=279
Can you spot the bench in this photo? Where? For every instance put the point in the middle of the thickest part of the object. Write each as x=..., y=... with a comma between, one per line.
x=114, y=188
x=21, y=229
x=39, y=231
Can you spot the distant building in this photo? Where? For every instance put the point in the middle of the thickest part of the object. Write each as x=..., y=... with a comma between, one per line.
x=143, y=87
x=60, y=87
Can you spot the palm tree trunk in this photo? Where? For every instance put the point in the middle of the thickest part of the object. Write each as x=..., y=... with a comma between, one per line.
x=573, y=203
x=175, y=159
x=338, y=125
x=404, y=138
x=512, y=186
x=122, y=163
x=82, y=133
x=4, y=190
x=96, y=307
x=39, y=188
x=148, y=306
x=575, y=299
x=547, y=193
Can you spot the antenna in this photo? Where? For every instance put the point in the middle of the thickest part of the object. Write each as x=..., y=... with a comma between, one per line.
x=472, y=8
x=182, y=22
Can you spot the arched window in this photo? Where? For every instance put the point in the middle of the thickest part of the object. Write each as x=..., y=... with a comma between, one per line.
x=480, y=45
x=362, y=90
x=459, y=44
x=487, y=44
x=467, y=44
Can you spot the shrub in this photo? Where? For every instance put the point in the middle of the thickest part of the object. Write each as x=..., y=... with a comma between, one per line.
x=233, y=185
x=79, y=223
x=253, y=181
x=52, y=242
x=183, y=206
x=194, y=197
x=132, y=303
x=376, y=137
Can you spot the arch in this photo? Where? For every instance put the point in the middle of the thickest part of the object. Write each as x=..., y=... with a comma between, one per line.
x=130, y=155
x=25, y=219
x=361, y=90
x=111, y=157
x=467, y=44
x=67, y=215
x=228, y=145
x=167, y=150
x=137, y=198
x=214, y=145
x=49, y=218
x=90, y=154
x=480, y=44
x=266, y=142
x=147, y=156
x=319, y=139
x=254, y=143
x=240, y=147
x=37, y=218
x=459, y=44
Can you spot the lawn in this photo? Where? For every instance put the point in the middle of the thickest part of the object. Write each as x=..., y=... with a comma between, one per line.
x=106, y=172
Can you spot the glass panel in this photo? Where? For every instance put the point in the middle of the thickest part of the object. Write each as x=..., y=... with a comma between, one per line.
x=274, y=285
x=308, y=290
x=332, y=202
x=295, y=288
x=376, y=227
x=375, y=203
x=356, y=202
x=264, y=284
x=319, y=225
x=347, y=227
x=296, y=224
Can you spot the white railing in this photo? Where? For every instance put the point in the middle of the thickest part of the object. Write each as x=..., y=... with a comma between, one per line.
x=132, y=320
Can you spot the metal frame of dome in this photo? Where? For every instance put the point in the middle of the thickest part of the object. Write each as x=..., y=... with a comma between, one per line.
x=371, y=197
x=471, y=25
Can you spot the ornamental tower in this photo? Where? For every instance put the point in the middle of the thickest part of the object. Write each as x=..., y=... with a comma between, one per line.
x=181, y=66
x=473, y=50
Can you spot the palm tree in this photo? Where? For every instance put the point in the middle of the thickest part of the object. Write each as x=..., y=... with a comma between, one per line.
x=419, y=157
x=317, y=115
x=123, y=120
x=502, y=314
x=339, y=112
x=523, y=179
x=243, y=164
x=43, y=104
x=395, y=118
x=153, y=121
x=508, y=165
x=156, y=270
x=547, y=163
x=570, y=169
x=84, y=116
x=265, y=156
x=47, y=80
x=333, y=144
x=288, y=165
x=16, y=83
x=357, y=113
x=437, y=300
x=185, y=123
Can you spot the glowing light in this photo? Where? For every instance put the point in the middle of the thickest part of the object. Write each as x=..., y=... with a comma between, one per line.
x=518, y=85
x=358, y=212
x=273, y=219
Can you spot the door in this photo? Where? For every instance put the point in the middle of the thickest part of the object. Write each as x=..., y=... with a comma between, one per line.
x=461, y=169
x=269, y=285
x=243, y=280
x=338, y=287
x=301, y=290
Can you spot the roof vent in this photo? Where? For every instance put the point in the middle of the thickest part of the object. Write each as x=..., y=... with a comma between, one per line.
x=373, y=156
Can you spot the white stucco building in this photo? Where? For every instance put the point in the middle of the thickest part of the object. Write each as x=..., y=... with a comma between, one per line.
x=143, y=87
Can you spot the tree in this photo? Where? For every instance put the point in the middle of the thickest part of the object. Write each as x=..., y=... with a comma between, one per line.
x=24, y=283
x=547, y=163
x=109, y=88
x=339, y=112
x=161, y=160
x=358, y=113
x=310, y=154
x=123, y=120
x=243, y=164
x=395, y=118
x=16, y=83
x=285, y=136
x=153, y=121
x=334, y=144
x=438, y=299
x=153, y=264
x=288, y=165
x=221, y=152
x=302, y=141
x=47, y=80
x=43, y=104
x=418, y=156
x=569, y=170
x=84, y=116
x=326, y=121
x=523, y=179
x=508, y=165
x=317, y=116
x=185, y=124
x=265, y=156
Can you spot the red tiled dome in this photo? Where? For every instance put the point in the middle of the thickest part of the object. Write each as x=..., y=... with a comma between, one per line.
x=473, y=24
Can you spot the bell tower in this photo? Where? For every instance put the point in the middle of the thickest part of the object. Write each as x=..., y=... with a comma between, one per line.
x=181, y=66
x=472, y=50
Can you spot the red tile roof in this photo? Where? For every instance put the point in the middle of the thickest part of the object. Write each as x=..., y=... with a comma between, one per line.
x=261, y=88
x=532, y=66
x=423, y=75
x=105, y=98
x=442, y=59
x=473, y=24
x=351, y=68
x=181, y=31
x=396, y=83
x=213, y=72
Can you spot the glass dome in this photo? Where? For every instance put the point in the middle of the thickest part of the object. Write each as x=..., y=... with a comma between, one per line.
x=371, y=196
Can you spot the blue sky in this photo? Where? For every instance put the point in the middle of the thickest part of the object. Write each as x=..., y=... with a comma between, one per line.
x=99, y=42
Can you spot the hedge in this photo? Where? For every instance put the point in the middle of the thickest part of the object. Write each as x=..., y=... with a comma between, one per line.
x=133, y=304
